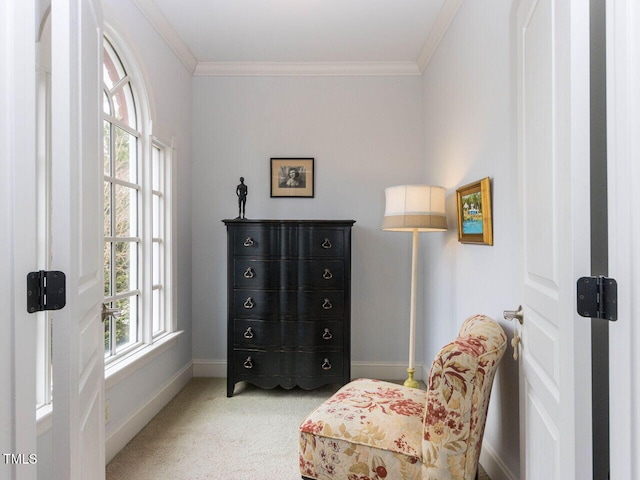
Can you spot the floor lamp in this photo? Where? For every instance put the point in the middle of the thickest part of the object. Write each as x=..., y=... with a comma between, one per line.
x=414, y=208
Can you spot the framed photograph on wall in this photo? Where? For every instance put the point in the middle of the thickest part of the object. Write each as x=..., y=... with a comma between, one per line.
x=474, y=213
x=292, y=177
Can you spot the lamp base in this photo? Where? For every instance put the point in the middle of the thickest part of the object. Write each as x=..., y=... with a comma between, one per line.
x=410, y=382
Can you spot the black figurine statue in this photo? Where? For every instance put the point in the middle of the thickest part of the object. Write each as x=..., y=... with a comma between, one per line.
x=241, y=192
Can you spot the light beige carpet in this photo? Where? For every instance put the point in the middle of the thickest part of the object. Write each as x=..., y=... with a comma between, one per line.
x=201, y=434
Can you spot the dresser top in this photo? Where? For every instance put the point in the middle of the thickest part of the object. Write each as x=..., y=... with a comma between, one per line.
x=288, y=222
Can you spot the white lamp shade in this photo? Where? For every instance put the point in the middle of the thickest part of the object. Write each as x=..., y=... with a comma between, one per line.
x=414, y=207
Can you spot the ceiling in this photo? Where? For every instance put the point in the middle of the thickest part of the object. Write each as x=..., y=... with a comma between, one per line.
x=256, y=37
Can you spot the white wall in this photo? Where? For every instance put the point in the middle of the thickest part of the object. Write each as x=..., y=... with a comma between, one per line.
x=365, y=134
x=168, y=84
x=470, y=133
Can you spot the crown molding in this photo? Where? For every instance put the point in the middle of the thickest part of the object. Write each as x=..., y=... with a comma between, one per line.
x=445, y=17
x=302, y=69
x=158, y=20
x=225, y=69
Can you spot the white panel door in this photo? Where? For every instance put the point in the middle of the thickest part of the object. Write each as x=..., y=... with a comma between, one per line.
x=553, y=161
x=78, y=344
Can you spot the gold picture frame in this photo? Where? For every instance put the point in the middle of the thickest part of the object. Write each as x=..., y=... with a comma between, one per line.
x=292, y=177
x=474, y=213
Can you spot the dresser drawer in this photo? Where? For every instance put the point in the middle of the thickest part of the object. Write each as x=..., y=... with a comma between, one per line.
x=265, y=241
x=256, y=333
x=318, y=333
x=277, y=303
x=321, y=242
x=251, y=273
x=256, y=363
x=321, y=274
x=288, y=334
x=262, y=304
x=322, y=303
x=318, y=364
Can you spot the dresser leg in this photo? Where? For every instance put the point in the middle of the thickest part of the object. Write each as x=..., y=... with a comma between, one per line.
x=230, y=388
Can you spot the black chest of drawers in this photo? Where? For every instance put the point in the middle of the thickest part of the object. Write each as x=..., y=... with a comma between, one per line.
x=288, y=302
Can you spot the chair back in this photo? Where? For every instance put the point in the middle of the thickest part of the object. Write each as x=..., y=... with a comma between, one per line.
x=458, y=392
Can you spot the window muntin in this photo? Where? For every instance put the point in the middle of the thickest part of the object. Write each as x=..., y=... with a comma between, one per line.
x=158, y=255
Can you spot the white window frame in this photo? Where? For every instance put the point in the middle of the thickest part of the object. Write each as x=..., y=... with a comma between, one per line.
x=149, y=343
x=161, y=236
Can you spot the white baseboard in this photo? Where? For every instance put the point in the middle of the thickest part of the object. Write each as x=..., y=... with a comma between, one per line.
x=493, y=465
x=384, y=371
x=387, y=371
x=210, y=368
x=130, y=426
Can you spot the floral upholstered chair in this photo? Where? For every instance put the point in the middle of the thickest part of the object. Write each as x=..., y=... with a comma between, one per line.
x=371, y=430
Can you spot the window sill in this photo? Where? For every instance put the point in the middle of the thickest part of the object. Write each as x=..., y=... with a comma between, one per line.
x=117, y=371
x=44, y=418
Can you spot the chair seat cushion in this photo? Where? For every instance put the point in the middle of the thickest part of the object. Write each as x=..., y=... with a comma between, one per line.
x=368, y=413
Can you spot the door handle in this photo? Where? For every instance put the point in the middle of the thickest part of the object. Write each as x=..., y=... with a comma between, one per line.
x=517, y=314
x=109, y=312
x=515, y=343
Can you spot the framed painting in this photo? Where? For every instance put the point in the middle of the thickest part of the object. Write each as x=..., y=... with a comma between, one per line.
x=474, y=213
x=292, y=177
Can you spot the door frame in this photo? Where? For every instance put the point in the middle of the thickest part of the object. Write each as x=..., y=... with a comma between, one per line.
x=17, y=242
x=623, y=122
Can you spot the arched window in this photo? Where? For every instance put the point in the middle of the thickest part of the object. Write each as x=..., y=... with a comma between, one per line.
x=135, y=213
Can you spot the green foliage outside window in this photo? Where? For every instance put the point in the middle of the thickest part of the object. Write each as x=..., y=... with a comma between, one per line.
x=119, y=221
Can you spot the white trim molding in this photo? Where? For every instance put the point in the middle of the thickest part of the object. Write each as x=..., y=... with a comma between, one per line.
x=158, y=20
x=623, y=172
x=270, y=69
x=445, y=17
x=130, y=426
x=210, y=368
x=304, y=69
x=493, y=465
x=385, y=370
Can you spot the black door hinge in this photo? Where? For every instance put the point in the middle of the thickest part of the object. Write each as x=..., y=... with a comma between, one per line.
x=46, y=290
x=598, y=298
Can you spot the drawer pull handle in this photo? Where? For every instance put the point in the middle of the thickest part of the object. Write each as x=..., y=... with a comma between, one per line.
x=327, y=304
x=248, y=242
x=326, y=365
x=327, y=335
x=249, y=303
x=327, y=275
x=326, y=244
x=248, y=333
x=248, y=363
x=248, y=273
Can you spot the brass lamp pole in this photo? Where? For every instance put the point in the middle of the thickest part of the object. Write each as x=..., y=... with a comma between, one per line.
x=414, y=208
